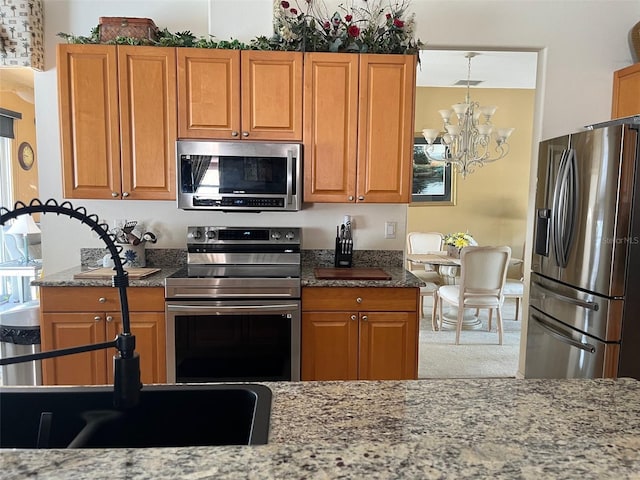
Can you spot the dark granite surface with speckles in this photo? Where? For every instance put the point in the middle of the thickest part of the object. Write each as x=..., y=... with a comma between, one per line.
x=453, y=429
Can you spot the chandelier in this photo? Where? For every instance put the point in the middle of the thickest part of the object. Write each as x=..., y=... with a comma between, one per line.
x=467, y=144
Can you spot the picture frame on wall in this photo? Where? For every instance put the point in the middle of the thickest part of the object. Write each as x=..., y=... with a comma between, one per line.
x=433, y=181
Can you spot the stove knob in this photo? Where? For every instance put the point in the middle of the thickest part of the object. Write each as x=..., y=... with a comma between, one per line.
x=276, y=235
x=290, y=235
x=196, y=234
x=211, y=234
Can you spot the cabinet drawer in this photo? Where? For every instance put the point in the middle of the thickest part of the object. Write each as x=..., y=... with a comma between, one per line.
x=103, y=299
x=371, y=299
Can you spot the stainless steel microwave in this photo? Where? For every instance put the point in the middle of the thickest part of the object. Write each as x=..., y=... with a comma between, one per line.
x=232, y=176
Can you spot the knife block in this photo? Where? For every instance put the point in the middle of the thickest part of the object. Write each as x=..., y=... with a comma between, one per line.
x=343, y=254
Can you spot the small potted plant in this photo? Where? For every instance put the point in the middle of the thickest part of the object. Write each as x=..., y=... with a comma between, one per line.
x=457, y=241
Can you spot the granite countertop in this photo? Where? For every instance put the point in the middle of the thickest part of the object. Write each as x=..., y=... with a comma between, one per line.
x=481, y=428
x=399, y=278
x=65, y=278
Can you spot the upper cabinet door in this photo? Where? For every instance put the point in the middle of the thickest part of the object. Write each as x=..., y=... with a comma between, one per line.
x=330, y=126
x=626, y=92
x=385, y=127
x=271, y=95
x=148, y=123
x=208, y=93
x=89, y=123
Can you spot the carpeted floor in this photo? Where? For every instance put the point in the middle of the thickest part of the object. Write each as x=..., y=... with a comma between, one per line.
x=477, y=356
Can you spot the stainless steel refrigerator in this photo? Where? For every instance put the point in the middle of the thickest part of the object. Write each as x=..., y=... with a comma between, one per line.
x=584, y=305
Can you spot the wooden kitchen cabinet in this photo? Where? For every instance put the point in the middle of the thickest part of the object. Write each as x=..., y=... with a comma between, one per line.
x=118, y=121
x=233, y=94
x=359, y=333
x=358, y=127
x=626, y=92
x=74, y=316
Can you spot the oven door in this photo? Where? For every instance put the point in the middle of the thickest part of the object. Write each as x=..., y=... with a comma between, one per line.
x=225, y=340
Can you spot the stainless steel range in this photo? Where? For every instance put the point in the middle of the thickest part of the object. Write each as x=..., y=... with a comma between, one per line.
x=233, y=313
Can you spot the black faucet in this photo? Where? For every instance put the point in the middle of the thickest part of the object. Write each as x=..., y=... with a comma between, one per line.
x=126, y=384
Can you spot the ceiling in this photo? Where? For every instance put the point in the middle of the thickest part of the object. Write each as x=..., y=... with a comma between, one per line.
x=495, y=69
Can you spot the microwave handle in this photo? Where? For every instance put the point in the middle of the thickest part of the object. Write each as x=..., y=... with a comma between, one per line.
x=289, y=177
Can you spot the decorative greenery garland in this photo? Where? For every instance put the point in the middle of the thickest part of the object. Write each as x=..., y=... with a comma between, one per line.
x=372, y=28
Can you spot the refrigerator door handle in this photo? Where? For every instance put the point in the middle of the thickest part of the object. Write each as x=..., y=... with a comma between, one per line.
x=564, y=207
x=556, y=225
x=560, y=335
x=571, y=199
x=589, y=305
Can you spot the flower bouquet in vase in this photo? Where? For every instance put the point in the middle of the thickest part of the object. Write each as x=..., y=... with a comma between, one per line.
x=457, y=241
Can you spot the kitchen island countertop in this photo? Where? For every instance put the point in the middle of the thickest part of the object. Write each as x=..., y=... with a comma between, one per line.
x=476, y=428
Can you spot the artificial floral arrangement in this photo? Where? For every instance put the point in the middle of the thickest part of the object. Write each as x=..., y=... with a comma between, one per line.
x=459, y=240
x=360, y=26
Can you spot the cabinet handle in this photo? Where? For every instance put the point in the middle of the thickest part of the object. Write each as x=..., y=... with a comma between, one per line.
x=358, y=300
x=234, y=134
x=360, y=197
x=97, y=318
x=109, y=318
x=102, y=300
x=245, y=134
x=125, y=194
x=114, y=194
x=353, y=317
x=364, y=318
x=351, y=198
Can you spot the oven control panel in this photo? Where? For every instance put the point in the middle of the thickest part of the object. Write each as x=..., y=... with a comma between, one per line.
x=243, y=235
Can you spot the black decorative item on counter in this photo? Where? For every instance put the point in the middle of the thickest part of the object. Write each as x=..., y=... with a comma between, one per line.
x=344, y=246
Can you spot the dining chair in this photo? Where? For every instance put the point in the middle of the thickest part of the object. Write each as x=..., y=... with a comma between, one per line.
x=425, y=242
x=483, y=273
x=514, y=287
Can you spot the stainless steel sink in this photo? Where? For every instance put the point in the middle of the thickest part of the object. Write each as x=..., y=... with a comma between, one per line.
x=168, y=416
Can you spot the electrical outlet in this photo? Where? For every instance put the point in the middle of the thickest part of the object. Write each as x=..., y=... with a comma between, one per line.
x=390, y=229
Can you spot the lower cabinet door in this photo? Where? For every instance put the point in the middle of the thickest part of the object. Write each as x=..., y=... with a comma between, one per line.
x=65, y=330
x=388, y=350
x=329, y=346
x=149, y=330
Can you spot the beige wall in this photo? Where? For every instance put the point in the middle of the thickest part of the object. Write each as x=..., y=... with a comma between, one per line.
x=491, y=203
x=25, y=182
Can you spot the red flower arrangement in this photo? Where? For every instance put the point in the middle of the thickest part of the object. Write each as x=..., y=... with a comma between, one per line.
x=359, y=26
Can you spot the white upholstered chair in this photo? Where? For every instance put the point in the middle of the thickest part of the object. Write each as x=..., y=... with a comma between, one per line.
x=514, y=287
x=482, y=276
x=425, y=242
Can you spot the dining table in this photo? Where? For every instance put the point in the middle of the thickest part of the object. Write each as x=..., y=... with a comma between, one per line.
x=448, y=268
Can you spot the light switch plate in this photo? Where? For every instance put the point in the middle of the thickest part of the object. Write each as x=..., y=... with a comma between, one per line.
x=390, y=229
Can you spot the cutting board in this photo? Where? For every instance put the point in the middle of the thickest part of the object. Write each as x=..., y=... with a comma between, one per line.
x=351, y=274
x=134, y=273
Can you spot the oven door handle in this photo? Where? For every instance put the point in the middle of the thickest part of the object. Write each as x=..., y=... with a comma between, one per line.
x=232, y=308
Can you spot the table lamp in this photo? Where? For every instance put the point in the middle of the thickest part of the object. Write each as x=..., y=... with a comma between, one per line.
x=24, y=225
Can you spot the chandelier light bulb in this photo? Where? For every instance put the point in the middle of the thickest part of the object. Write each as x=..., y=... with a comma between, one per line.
x=454, y=130
x=460, y=108
x=445, y=114
x=430, y=134
x=484, y=129
x=488, y=110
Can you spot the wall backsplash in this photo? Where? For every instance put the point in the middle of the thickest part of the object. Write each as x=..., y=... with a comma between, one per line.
x=158, y=257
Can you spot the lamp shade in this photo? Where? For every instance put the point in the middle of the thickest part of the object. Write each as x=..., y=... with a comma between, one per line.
x=24, y=225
